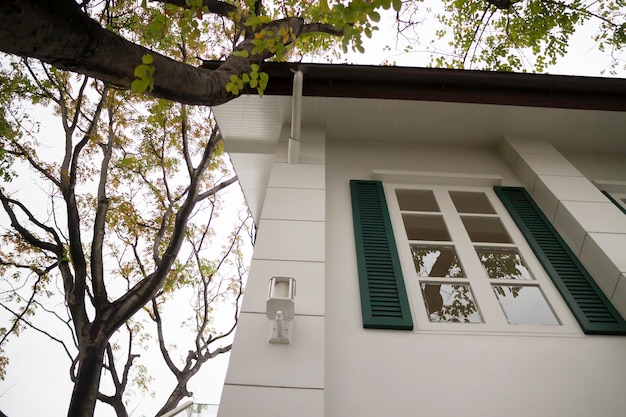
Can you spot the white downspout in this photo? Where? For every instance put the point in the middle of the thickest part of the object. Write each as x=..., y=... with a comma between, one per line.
x=293, y=151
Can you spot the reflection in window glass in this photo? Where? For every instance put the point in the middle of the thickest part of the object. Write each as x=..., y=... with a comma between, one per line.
x=450, y=303
x=503, y=263
x=425, y=227
x=525, y=305
x=471, y=202
x=417, y=200
x=436, y=261
x=486, y=229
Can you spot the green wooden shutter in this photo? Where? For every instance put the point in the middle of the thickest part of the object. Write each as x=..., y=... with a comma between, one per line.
x=614, y=201
x=592, y=309
x=384, y=302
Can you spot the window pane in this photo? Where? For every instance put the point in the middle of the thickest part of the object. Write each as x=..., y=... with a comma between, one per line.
x=486, y=229
x=417, y=200
x=524, y=305
x=468, y=202
x=425, y=227
x=436, y=261
x=450, y=303
x=503, y=263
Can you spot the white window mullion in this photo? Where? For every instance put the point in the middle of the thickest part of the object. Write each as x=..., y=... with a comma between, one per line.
x=487, y=302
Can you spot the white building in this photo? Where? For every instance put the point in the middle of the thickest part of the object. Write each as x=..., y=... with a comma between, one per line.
x=432, y=285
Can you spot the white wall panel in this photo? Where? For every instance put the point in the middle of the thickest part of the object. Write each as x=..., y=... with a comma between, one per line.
x=596, y=248
x=245, y=401
x=255, y=361
x=310, y=280
x=298, y=176
x=294, y=204
x=619, y=296
x=290, y=241
x=550, y=189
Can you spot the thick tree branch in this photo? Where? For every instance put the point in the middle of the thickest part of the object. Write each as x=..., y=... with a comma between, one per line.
x=500, y=4
x=97, y=261
x=59, y=33
x=217, y=7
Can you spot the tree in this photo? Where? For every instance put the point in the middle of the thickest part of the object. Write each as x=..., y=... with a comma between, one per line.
x=131, y=202
x=64, y=35
x=526, y=35
x=490, y=34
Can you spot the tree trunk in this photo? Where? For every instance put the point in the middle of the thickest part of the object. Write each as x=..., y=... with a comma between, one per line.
x=85, y=393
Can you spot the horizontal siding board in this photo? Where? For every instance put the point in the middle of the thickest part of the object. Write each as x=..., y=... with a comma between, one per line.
x=592, y=309
x=384, y=302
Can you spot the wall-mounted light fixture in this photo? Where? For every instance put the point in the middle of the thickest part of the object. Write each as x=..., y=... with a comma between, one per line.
x=280, y=308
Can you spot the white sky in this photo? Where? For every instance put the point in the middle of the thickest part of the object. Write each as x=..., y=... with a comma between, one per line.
x=37, y=382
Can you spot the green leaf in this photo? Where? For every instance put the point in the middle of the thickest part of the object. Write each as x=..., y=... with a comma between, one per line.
x=243, y=54
x=374, y=16
x=147, y=59
x=139, y=85
x=140, y=71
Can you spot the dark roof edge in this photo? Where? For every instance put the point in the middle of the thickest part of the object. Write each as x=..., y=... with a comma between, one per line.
x=435, y=84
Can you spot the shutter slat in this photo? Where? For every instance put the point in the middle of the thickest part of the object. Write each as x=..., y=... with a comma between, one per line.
x=592, y=309
x=384, y=303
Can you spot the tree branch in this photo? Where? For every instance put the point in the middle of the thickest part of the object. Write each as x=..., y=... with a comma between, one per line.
x=66, y=37
x=217, y=188
x=20, y=317
x=97, y=261
x=26, y=234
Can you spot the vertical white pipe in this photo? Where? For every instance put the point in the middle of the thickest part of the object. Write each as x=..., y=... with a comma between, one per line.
x=293, y=152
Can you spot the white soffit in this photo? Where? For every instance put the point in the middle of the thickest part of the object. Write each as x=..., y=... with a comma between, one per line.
x=464, y=124
x=251, y=128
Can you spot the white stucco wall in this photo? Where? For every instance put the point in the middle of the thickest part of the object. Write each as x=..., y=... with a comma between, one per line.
x=384, y=372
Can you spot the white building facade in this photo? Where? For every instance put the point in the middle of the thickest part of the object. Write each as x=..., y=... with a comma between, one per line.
x=419, y=223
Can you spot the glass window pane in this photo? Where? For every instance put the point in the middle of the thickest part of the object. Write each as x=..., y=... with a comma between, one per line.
x=417, y=200
x=469, y=202
x=450, y=303
x=525, y=305
x=436, y=261
x=425, y=227
x=486, y=229
x=503, y=263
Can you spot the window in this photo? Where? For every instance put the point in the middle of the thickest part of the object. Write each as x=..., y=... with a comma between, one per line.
x=472, y=262
x=469, y=265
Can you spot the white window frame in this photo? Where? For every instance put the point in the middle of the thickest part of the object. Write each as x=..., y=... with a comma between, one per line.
x=484, y=296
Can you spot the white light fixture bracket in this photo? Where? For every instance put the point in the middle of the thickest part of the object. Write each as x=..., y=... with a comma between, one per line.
x=280, y=308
